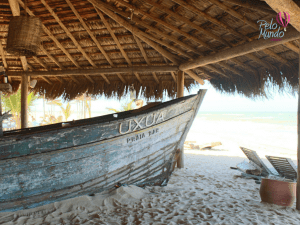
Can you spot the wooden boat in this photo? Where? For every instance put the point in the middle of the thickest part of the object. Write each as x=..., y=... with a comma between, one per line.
x=56, y=162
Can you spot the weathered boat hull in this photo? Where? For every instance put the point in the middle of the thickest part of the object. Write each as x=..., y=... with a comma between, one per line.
x=44, y=165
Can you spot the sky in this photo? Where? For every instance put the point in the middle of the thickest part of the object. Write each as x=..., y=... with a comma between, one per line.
x=214, y=101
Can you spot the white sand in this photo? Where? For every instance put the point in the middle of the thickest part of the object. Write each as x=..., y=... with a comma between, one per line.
x=207, y=191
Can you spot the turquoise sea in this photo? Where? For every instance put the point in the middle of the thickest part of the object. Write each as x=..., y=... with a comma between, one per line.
x=278, y=118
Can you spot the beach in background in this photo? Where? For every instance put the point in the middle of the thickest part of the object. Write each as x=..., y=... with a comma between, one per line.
x=206, y=191
x=268, y=133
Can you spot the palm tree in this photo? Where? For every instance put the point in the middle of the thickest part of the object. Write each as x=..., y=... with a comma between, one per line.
x=13, y=103
x=66, y=111
x=125, y=107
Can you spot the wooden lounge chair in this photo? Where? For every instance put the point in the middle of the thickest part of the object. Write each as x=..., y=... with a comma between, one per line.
x=284, y=166
x=254, y=163
x=255, y=159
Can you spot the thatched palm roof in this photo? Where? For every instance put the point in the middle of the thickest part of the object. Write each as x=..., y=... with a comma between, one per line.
x=111, y=44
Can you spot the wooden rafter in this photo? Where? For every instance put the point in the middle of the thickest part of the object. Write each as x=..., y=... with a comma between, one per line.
x=181, y=18
x=145, y=56
x=233, y=13
x=89, y=32
x=48, y=32
x=213, y=68
x=292, y=47
x=3, y=58
x=197, y=11
x=186, y=21
x=174, y=58
x=172, y=73
x=60, y=79
x=70, y=36
x=287, y=6
x=51, y=57
x=68, y=33
x=157, y=31
x=232, y=69
x=254, y=5
x=152, y=28
x=3, y=55
x=165, y=24
x=40, y=61
x=106, y=24
x=95, y=41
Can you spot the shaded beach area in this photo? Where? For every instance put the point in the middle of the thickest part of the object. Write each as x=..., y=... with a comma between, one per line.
x=206, y=191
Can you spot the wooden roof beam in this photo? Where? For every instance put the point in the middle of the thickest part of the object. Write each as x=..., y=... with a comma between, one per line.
x=106, y=24
x=69, y=34
x=174, y=58
x=157, y=31
x=97, y=44
x=60, y=79
x=232, y=69
x=51, y=57
x=221, y=72
x=187, y=21
x=46, y=79
x=292, y=47
x=47, y=31
x=40, y=62
x=137, y=10
x=234, y=13
x=89, y=32
x=197, y=11
x=3, y=55
x=145, y=57
x=240, y=50
x=4, y=59
x=254, y=5
x=287, y=6
x=172, y=73
x=98, y=71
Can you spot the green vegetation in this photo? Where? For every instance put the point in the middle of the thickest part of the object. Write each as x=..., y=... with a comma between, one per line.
x=13, y=103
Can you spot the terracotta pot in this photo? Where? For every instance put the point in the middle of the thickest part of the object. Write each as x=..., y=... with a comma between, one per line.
x=278, y=192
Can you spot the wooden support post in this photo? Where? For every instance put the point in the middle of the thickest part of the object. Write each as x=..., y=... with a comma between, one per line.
x=24, y=103
x=180, y=93
x=180, y=84
x=1, y=129
x=298, y=150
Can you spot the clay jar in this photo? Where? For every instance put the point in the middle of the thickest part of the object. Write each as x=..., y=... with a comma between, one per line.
x=278, y=192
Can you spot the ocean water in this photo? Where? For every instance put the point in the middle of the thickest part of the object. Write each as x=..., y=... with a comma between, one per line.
x=272, y=132
x=278, y=118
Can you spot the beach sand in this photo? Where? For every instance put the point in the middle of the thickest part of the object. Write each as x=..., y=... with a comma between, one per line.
x=206, y=191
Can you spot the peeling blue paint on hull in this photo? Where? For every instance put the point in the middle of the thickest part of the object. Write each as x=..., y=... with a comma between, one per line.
x=52, y=163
